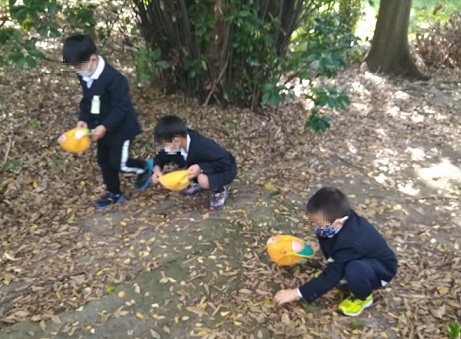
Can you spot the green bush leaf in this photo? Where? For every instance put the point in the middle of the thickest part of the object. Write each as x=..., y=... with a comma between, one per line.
x=318, y=123
x=15, y=56
x=43, y=31
x=20, y=63
x=36, y=53
x=31, y=61
x=53, y=8
x=21, y=14
x=5, y=34
x=162, y=64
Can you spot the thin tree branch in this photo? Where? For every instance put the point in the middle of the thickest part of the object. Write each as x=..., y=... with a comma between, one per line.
x=215, y=83
x=5, y=19
x=8, y=148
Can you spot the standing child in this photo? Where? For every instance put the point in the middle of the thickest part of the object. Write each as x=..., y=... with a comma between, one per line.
x=106, y=108
x=210, y=166
x=354, y=250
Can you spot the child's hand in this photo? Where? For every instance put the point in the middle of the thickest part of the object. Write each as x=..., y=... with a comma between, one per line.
x=194, y=171
x=82, y=124
x=157, y=174
x=314, y=245
x=286, y=296
x=98, y=132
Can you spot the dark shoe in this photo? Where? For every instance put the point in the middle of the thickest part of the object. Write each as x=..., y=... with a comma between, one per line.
x=109, y=199
x=219, y=199
x=193, y=189
x=143, y=179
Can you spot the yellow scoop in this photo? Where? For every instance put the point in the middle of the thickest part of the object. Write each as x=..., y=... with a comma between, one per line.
x=175, y=181
x=286, y=250
x=76, y=140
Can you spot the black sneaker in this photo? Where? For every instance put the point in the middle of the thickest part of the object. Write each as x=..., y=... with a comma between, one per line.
x=143, y=180
x=109, y=199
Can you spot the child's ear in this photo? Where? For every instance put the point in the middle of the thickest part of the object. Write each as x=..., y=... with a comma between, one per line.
x=338, y=223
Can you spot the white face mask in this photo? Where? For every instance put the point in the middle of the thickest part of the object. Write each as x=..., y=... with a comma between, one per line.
x=170, y=151
x=86, y=73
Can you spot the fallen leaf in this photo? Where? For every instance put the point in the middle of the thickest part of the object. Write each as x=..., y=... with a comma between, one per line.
x=155, y=334
x=56, y=319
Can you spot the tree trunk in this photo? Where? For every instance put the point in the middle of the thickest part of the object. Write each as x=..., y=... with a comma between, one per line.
x=217, y=52
x=389, y=49
x=220, y=50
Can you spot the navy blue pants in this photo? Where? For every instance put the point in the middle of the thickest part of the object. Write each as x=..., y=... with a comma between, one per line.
x=362, y=277
x=219, y=180
x=114, y=159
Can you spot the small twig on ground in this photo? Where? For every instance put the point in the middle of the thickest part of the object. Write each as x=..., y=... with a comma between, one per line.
x=8, y=148
x=350, y=164
x=52, y=60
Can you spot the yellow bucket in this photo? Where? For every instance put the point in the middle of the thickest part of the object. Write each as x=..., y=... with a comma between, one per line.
x=286, y=250
x=175, y=181
x=76, y=140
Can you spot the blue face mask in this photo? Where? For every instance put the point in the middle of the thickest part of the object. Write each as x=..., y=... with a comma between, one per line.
x=325, y=232
x=328, y=231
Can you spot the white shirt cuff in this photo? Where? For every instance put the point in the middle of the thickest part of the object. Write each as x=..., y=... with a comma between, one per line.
x=299, y=293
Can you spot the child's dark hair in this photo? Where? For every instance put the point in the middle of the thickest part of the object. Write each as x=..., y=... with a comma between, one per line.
x=78, y=48
x=330, y=201
x=169, y=127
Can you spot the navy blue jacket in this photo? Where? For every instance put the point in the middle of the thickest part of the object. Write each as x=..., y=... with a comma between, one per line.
x=117, y=113
x=205, y=152
x=357, y=239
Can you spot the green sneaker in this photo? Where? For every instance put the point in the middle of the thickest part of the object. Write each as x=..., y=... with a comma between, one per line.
x=353, y=306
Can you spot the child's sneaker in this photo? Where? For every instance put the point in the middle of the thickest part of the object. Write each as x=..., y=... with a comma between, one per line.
x=353, y=306
x=109, y=199
x=219, y=199
x=193, y=189
x=143, y=179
